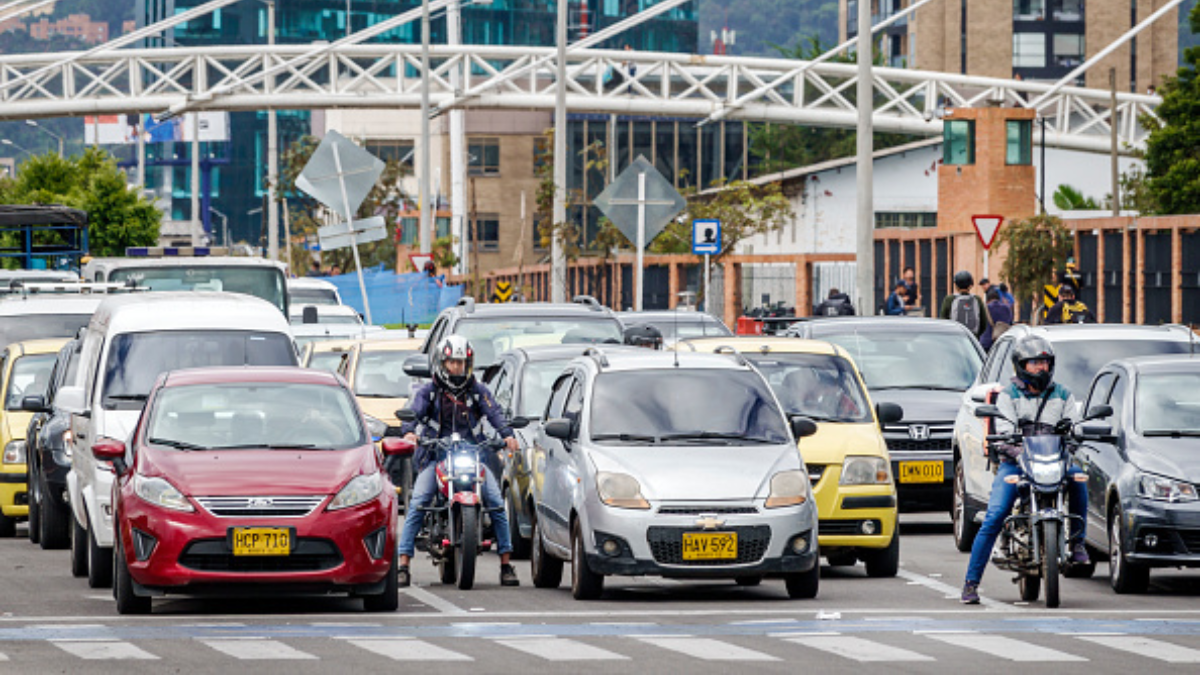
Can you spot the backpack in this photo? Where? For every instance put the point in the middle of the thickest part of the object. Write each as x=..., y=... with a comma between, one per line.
x=965, y=310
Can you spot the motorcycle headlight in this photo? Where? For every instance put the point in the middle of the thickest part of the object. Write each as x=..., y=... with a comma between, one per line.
x=14, y=452
x=464, y=462
x=376, y=427
x=159, y=492
x=866, y=470
x=788, y=488
x=1161, y=488
x=620, y=490
x=1046, y=473
x=359, y=490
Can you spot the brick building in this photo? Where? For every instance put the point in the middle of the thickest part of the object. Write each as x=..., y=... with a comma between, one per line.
x=76, y=25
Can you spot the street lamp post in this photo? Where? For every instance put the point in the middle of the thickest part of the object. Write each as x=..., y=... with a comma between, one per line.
x=224, y=225
x=35, y=125
x=5, y=141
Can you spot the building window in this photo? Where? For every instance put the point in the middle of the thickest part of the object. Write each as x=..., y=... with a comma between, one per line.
x=907, y=219
x=483, y=157
x=1029, y=50
x=1068, y=49
x=1029, y=10
x=1067, y=10
x=488, y=228
x=392, y=151
x=958, y=142
x=1019, y=144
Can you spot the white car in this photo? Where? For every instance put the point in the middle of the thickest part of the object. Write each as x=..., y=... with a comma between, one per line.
x=312, y=291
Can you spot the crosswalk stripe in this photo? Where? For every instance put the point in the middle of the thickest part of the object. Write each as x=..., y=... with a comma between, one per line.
x=858, y=648
x=1004, y=647
x=1144, y=646
x=708, y=649
x=257, y=649
x=561, y=649
x=408, y=650
x=100, y=650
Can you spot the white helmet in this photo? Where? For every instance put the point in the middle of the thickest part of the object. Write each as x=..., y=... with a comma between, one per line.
x=453, y=347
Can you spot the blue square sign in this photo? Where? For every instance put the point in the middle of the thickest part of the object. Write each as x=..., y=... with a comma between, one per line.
x=706, y=237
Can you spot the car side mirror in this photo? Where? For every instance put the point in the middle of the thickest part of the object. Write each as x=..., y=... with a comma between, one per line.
x=888, y=413
x=987, y=411
x=406, y=415
x=109, y=450
x=1098, y=412
x=393, y=445
x=417, y=365
x=558, y=428
x=803, y=427
x=71, y=400
x=34, y=404
x=979, y=393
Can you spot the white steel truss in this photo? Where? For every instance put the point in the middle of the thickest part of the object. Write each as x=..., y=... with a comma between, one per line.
x=496, y=77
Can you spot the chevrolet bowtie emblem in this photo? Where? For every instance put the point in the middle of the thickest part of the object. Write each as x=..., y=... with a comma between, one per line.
x=709, y=521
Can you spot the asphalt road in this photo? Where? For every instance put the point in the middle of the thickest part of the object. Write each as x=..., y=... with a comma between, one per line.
x=51, y=622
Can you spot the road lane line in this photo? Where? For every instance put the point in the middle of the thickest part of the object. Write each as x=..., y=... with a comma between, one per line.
x=103, y=650
x=707, y=649
x=1144, y=646
x=256, y=649
x=561, y=649
x=1004, y=647
x=426, y=598
x=950, y=591
x=408, y=650
x=858, y=649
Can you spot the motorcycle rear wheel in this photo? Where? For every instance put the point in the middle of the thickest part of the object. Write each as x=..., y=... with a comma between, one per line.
x=465, y=552
x=1051, y=555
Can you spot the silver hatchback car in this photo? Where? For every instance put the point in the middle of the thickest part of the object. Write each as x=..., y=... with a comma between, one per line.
x=670, y=464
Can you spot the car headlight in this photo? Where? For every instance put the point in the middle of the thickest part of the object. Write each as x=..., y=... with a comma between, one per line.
x=14, y=452
x=377, y=427
x=1046, y=473
x=1161, y=488
x=359, y=490
x=866, y=470
x=620, y=490
x=788, y=488
x=159, y=492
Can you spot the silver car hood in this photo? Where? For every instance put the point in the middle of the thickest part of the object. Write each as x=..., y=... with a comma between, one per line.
x=696, y=472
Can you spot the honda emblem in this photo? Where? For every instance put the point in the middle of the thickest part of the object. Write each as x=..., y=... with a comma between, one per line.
x=918, y=432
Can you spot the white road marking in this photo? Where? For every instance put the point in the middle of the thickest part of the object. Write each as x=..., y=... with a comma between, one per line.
x=707, y=649
x=257, y=649
x=408, y=650
x=426, y=598
x=858, y=649
x=1004, y=647
x=100, y=650
x=1144, y=646
x=561, y=649
x=949, y=591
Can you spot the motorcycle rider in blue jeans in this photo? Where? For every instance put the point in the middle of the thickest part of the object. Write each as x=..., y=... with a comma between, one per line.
x=454, y=402
x=1038, y=406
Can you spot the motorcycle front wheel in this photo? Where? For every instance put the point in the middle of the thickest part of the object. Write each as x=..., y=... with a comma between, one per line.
x=467, y=545
x=1051, y=555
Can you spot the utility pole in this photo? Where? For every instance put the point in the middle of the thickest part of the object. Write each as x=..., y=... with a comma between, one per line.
x=197, y=221
x=458, y=168
x=426, y=230
x=273, y=149
x=1112, y=122
x=558, y=254
x=865, y=233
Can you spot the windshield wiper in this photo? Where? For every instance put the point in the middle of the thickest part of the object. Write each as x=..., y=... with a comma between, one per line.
x=628, y=438
x=927, y=387
x=127, y=397
x=1173, y=433
x=178, y=445
x=715, y=435
x=270, y=446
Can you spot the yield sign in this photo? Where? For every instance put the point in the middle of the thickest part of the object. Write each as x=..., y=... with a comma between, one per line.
x=987, y=227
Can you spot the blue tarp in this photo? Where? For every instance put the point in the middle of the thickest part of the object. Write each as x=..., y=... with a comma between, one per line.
x=397, y=298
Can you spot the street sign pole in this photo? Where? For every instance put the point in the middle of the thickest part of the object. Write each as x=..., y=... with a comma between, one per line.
x=362, y=284
x=707, y=280
x=641, y=243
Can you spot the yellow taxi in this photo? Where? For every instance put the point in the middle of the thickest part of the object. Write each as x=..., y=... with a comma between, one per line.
x=326, y=354
x=374, y=369
x=847, y=458
x=24, y=371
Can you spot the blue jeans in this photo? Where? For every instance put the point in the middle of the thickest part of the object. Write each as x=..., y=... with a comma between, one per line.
x=1000, y=505
x=423, y=491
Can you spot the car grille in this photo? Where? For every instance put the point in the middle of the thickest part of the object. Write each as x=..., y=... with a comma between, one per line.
x=906, y=445
x=697, y=510
x=1191, y=540
x=277, y=507
x=666, y=545
x=213, y=555
x=815, y=471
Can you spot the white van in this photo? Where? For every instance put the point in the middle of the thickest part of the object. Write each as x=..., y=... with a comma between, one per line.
x=312, y=291
x=130, y=341
x=266, y=279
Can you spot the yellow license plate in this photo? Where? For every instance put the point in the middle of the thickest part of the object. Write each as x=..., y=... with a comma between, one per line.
x=710, y=545
x=922, y=472
x=262, y=541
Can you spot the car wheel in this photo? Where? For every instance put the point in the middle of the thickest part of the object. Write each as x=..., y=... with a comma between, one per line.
x=962, y=516
x=79, y=538
x=54, y=522
x=1123, y=575
x=521, y=545
x=585, y=584
x=804, y=585
x=127, y=601
x=844, y=559
x=34, y=496
x=8, y=526
x=546, y=569
x=884, y=563
x=389, y=599
x=99, y=562
x=748, y=581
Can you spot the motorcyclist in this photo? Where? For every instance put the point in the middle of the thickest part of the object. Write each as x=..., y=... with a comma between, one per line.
x=454, y=402
x=644, y=335
x=1034, y=405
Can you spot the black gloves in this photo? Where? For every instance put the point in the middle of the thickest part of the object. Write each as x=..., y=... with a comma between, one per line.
x=1063, y=426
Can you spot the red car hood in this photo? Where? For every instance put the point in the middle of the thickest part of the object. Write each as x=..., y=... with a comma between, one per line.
x=257, y=472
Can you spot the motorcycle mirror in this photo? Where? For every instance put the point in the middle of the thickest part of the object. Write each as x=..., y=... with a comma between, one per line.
x=519, y=422
x=406, y=415
x=1099, y=412
x=987, y=411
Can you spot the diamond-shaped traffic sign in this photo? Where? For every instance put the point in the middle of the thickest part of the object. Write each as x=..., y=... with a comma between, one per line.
x=987, y=227
x=621, y=199
x=338, y=162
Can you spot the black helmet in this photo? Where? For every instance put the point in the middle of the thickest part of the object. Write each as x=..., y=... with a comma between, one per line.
x=963, y=280
x=453, y=347
x=1029, y=348
x=644, y=335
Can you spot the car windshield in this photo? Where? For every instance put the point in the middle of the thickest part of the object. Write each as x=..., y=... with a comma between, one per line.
x=261, y=281
x=536, y=382
x=381, y=374
x=255, y=415
x=312, y=296
x=685, y=327
x=1167, y=403
x=491, y=337
x=682, y=406
x=896, y=359
x=18, y=328
x=30, y=377
x=135, y=360
x=820, y=386
x=326, y=361
x=1076, y=362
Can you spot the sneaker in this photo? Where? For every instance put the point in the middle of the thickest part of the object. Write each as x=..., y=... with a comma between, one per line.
x=1079, y=554
x=508, y=576
x=403, y=580
x=970, y=594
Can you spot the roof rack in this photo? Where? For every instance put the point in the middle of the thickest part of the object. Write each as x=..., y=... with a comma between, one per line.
x=732, y=351
x=467, y=302
x=70, y=288
x=598, y=355
x=589, y=302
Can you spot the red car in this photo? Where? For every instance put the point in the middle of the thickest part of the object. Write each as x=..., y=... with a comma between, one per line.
x=251, y=480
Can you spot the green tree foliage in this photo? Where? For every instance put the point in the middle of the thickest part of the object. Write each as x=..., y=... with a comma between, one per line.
x=1068, y=198
x=745, y=209
x=117, y=215
x=1173, y=148
x=1036, y=247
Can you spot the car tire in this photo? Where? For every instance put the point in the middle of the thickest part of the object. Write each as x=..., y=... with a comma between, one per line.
x=389, y=599
x=1124, y=576
x=8, y=526
x=54, y=522
x=804, y=585
x=961, y=515
x=749, y=581
x=79, y=539
x=884, y=563
x=127, y=601
x=99, y=563
x=546, y=570
x=844, y=559
x=33, y=492
x=521, y=545
x=585, y=584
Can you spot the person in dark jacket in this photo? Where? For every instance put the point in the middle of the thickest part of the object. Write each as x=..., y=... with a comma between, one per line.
x=454, y=403
x=837, y=304
x=897, y=300
x=1002, y=318
x=1069, y=309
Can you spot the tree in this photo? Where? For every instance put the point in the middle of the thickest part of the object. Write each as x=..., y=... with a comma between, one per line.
x=1036, y=247
x=745, y=209
x=1173, y=147
x=1067, y=198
